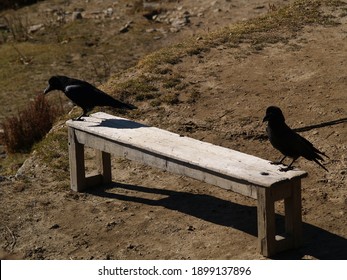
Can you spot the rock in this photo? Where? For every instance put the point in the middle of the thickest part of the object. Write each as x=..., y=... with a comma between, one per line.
x=174, y=29
x=21, y=171
x=151, y=15
x=55, y=226
x=108, y=12
x=179, y=22
x=190, y=228
x=35, y=28
x=125, y=28
x=150, y=30
x=131, y=246
x=76, y=16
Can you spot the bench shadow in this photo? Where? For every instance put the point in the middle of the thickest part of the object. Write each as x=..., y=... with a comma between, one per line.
x=119, y=124
x=318, y=243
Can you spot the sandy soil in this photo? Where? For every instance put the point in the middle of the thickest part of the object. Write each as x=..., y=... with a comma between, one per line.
x=150, y=214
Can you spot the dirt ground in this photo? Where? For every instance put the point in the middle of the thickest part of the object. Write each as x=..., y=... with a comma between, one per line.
x=150, y=214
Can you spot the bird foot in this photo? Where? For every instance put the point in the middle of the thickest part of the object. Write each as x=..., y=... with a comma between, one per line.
x=78, y=119
x=276, y=162
x=285, y=169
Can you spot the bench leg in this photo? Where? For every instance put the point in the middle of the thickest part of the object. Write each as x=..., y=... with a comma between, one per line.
x=269, y=242
x=266, y=222
x=76, y=158
x=104, y=166
x=293, y=220
x=78, y=179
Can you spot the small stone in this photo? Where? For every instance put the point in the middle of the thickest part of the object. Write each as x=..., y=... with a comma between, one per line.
x=55, y=226
x=108, y=12
x=76, y=16
x=125, y=28
x=190, y=228
x=35, y=28
x=130, y=246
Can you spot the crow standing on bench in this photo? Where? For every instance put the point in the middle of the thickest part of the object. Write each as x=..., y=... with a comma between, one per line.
x=84, y=94
x=288, y=142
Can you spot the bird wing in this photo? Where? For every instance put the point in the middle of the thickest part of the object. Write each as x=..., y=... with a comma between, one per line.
x=285, y=140
x=81, y=95
x=313, y=147
x=87, y=96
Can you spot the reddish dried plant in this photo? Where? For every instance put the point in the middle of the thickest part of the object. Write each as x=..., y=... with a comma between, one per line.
x=30, y=125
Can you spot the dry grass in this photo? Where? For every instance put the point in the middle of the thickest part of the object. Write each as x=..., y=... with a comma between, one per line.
x=276, y=26
x=30, y=125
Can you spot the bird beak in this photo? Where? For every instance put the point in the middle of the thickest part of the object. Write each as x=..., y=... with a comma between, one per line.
x=48, y=89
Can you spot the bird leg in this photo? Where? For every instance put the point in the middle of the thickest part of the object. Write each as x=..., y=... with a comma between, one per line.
x=84, y=114
x=278, y=162
x=79, y=117
x=321, y=165
x=289, y=167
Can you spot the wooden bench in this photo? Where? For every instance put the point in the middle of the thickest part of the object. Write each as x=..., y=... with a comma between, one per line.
x=241, y=173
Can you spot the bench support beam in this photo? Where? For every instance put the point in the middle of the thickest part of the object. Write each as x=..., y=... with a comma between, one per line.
x=78, y=179
x=268, y=241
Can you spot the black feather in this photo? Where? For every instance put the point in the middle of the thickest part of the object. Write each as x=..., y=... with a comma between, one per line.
x=84, y=94
x=288, y=142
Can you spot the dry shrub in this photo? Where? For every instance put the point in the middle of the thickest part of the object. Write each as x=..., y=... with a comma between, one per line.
x=30, y=125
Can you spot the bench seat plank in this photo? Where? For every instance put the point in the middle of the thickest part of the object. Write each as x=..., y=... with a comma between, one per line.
x=240, y=166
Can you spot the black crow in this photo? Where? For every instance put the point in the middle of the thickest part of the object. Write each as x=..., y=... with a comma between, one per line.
x=288, y=142
x=84, y=94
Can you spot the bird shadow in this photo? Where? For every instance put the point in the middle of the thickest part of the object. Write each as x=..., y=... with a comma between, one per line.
x=318, y=243
x=323, y=124
x=119, y=124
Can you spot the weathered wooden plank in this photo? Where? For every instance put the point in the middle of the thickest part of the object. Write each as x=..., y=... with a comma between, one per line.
x=266, y=222
x=240, y=166
x=76, y=159
x=293, y=216
x=168, y=164
x=104, y=166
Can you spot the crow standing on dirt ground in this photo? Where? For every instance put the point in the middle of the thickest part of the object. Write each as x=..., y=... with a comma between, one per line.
x=84, y=94
x=288, y=142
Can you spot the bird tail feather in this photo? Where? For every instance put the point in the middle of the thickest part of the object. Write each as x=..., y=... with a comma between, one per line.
x=122, y=105
x=319, y=152
x=321, y=165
